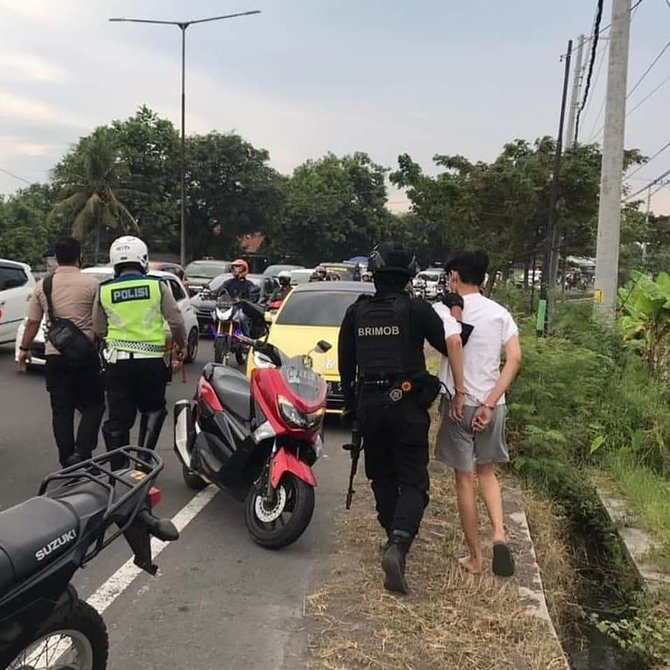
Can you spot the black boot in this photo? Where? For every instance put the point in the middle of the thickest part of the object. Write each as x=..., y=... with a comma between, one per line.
x=393, y=562
x=113, y=440
x=151, y=424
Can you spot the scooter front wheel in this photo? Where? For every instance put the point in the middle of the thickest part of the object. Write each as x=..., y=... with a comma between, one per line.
x=193, y=480
x=281, y=521
x=220, y=349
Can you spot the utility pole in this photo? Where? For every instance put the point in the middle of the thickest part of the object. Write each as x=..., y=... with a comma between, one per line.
x=576, y=97
x=545, y=311
x=609, y=212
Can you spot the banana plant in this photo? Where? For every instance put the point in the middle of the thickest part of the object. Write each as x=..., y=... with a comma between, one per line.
x=644, y=321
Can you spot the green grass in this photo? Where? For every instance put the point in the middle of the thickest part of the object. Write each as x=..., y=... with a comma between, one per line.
x=649, y=496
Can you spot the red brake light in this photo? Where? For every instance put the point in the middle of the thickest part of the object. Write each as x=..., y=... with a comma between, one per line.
x=154, y=497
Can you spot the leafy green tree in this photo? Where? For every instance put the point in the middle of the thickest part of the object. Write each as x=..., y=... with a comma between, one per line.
x=93, y=178
x=25, y=232
x=232, y=191
x=149, y=148
x=335, y=207
x=503, y=206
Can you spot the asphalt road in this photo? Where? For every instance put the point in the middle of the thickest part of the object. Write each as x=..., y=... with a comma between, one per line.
x=219, y=600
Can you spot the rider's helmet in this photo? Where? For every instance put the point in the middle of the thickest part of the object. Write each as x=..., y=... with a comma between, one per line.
x=393, y=257
x=129, y=250
x=284, y=278
x=239, y=268
x=321, y=272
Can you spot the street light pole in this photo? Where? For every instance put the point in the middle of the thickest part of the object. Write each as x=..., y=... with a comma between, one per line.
x=182, y=228
x=183, y=25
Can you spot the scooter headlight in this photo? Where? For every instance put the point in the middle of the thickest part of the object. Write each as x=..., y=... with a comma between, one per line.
x=297, y=419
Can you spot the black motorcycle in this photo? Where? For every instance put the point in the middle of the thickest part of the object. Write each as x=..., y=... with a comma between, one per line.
x=228, y=317
x=46, y=539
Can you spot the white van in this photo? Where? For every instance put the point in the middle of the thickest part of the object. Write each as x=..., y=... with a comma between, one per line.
x=16, y=287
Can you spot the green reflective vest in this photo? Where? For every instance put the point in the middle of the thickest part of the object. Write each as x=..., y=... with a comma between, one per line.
x=135, y=322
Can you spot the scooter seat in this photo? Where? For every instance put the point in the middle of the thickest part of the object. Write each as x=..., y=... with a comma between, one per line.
x=233, y=390
x=32, y=534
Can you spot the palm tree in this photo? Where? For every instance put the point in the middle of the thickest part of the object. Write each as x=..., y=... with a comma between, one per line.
x=93, y=175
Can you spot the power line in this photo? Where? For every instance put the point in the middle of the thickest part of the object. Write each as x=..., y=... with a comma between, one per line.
x=656, y=155
x=11, y=174
x=592, y=62
x=652, y=183
x=639, y=104
x=649, y=69
x=599, y=69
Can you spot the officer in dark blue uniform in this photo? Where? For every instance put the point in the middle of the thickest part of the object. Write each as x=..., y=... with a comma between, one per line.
x=388, y=389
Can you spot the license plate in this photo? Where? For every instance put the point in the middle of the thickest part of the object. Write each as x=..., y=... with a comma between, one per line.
x=334, y=388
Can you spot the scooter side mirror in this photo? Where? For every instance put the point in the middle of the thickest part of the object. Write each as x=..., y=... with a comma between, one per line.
x=322, y=346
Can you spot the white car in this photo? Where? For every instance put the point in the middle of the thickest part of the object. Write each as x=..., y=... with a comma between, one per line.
x=103, y=274
x=16, y=287
x=430, y=280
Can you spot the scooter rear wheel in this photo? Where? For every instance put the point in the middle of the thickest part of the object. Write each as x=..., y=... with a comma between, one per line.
x=281, y=522
x=74, y=639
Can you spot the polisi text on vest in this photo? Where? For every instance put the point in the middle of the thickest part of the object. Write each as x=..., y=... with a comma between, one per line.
x=131, y=293
x=372, y=331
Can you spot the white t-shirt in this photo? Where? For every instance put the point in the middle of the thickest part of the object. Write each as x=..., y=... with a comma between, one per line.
x=493, y=328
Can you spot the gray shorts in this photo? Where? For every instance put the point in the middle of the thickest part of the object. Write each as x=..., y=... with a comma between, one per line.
x=463, y=450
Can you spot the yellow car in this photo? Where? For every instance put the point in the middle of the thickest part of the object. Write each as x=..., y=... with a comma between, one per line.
x=313, y=312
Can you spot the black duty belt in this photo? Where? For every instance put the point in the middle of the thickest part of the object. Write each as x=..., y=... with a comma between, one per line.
x=396, y=389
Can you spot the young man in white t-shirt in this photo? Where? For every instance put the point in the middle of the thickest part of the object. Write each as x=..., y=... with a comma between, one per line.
x=472, y=430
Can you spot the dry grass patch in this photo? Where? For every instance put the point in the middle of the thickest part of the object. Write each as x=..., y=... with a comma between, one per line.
x=451, y=619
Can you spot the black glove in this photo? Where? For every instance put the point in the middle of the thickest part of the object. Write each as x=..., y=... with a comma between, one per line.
x=452, y=300
x=347, y=418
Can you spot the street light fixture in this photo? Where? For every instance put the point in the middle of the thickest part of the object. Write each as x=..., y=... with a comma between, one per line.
x=183, y=25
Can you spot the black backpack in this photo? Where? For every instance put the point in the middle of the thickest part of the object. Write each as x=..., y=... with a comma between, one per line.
x=62, y=333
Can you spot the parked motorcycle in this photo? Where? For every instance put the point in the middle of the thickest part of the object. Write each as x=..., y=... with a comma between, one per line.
x=46, y=539
x=228, y=316
x=257, y=439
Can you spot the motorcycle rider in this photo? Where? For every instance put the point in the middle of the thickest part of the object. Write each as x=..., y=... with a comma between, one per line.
x=387, y=387
x=239, y=287
x=284, y=288
x=321, y=273
x=129, y=313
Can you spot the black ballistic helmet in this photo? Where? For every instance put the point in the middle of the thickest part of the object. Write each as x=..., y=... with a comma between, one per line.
x=393, y=257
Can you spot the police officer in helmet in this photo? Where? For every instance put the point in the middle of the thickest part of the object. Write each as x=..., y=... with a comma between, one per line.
x=388, y=389
x=129, y=314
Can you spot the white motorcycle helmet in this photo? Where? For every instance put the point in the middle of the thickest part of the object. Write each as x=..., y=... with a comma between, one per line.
x=129, y=249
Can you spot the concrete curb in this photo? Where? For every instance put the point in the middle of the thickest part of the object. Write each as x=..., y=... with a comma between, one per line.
x=530, y=579
x=638, y=542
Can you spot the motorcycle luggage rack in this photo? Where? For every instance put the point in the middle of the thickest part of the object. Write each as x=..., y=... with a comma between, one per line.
x=97, y=470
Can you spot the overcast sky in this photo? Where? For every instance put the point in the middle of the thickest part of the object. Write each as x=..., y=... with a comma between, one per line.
x=309, y=76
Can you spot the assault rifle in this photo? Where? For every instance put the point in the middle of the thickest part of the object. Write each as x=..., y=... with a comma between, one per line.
x=354, y=448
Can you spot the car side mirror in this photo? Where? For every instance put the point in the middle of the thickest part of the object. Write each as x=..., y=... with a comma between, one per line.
x=322, y=346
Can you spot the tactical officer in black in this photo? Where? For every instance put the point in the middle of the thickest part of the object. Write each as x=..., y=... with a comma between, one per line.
x=388, y=389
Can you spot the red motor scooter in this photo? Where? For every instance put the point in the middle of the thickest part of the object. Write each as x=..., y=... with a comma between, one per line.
x=257, y=439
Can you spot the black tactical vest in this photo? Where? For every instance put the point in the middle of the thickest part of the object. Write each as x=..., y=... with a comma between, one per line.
x=384, y=348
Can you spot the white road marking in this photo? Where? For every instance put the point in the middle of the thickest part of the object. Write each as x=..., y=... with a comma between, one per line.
x=110, y=590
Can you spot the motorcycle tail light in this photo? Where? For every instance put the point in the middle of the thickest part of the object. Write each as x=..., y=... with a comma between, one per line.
x=154, y=497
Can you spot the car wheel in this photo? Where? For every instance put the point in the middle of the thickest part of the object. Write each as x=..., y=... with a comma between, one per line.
x=192, y=346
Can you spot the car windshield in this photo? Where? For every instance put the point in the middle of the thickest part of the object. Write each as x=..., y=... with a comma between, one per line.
x=316, y=308
x=301, y=276
x=205, y=270
x=429, y=276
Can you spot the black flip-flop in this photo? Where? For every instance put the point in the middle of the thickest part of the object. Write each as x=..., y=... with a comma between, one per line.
x=503, y=560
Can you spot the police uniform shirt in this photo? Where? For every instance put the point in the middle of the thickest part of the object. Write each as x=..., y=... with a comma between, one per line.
x=424, y=324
